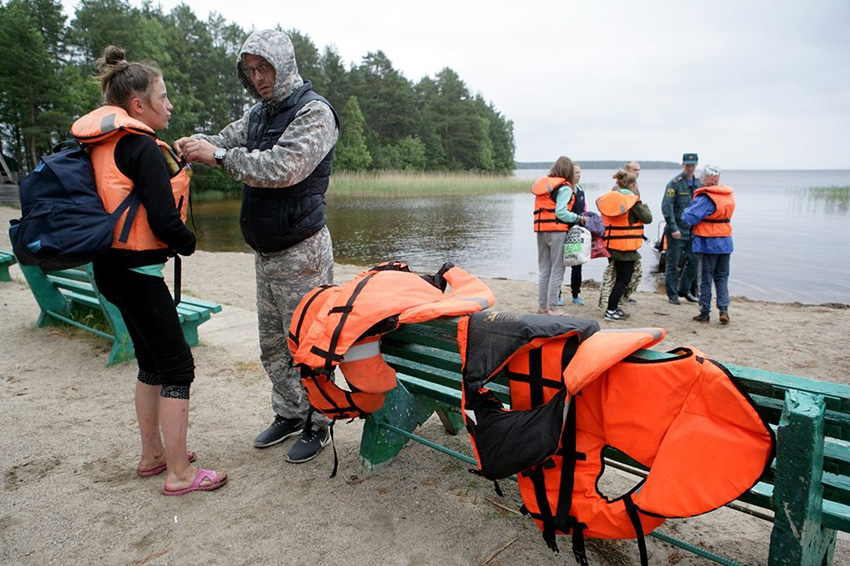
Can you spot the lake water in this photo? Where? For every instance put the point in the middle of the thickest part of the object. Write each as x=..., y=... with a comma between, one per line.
x=790, y=241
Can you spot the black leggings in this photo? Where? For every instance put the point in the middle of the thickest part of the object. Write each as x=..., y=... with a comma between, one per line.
x=575, y=280
x=624, y=270
x=148, y=310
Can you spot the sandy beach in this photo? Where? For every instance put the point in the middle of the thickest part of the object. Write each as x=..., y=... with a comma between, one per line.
x=69, y=447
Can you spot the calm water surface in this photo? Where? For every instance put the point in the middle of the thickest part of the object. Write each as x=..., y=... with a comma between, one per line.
x=790, y=241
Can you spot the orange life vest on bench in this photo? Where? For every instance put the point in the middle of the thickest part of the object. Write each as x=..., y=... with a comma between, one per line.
x=574, y=393
x=341, y=326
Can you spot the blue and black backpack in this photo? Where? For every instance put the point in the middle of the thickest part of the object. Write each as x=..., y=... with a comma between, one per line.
x=63, y=222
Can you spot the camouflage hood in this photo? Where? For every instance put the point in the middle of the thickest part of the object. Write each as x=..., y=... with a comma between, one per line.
x=276, y=48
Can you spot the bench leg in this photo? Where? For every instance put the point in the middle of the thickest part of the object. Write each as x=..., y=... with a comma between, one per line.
x=122, y=346
x=47, y=296
x=798, y=537
x=4, y=272
x=190, y=331
x=451, y=419
x=378, y=446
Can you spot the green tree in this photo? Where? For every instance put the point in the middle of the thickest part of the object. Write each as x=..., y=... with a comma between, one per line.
x=502, y=137
x=335, y=84
x=35, y=106
x=233, y=99
x=386, y=99
x=410, y=153
x=455, y=121
x=351, y=151
x=307, y=57
x=98, y=23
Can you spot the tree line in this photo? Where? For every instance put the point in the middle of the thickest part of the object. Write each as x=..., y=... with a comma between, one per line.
x=388, y=122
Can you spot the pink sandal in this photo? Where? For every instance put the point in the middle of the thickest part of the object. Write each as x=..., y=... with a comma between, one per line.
x=159, y=469
x=211, y=475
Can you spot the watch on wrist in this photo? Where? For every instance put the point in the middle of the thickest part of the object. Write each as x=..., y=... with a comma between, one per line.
x=219, y=154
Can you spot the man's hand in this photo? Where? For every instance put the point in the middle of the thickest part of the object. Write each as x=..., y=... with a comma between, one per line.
x=194, y=150
x=178, y=146
x=676, y=235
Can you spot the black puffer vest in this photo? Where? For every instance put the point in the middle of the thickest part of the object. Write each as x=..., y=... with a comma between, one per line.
x=278, y=218
x=579, y=203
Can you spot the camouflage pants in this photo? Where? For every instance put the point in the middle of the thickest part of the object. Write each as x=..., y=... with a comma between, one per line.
x=610, y=276
x=283, y=278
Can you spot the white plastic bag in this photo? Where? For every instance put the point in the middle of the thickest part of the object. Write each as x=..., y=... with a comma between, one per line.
x=577, y=247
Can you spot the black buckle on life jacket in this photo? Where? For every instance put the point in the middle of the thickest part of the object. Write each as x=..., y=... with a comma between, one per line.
x=579, y=550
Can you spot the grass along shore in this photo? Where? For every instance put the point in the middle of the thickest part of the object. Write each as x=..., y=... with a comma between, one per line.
x=403, y=184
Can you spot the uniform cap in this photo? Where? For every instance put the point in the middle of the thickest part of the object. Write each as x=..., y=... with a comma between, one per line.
x=690, y=158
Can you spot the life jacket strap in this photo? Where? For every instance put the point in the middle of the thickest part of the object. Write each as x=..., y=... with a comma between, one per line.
x=333, y=445
x=346, y=310
x=329, y=356
x=545, y=516
x=568, y=469
x=634, y=516
x=304, y=311
x=496, y=487
x=338, y=410
x=131, y=204
x=579, y=550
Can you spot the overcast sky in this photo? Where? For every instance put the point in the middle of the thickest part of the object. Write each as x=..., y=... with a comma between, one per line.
x=747, y=84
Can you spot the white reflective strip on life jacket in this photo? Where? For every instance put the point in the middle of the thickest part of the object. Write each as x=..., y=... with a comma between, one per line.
x=362, y=351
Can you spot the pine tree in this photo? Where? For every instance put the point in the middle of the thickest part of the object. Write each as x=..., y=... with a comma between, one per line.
x=351, y=151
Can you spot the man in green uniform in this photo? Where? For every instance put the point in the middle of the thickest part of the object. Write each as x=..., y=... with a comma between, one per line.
x=677, y=197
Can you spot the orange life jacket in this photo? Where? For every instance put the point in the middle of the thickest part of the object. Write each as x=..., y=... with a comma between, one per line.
x=545, y=191
x=718, y=224
x=100, y=131
x=342, y=326
x=574, y=392
x=614, y=207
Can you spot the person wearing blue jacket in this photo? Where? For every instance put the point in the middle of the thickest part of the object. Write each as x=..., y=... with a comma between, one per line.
x=710, y=214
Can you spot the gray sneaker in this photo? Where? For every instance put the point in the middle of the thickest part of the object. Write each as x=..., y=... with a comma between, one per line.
x=308, y=445
x=278, y=431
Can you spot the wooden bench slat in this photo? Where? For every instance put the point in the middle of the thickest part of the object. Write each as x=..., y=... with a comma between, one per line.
x=80, y=287
x=418, y=386
x=201, y=304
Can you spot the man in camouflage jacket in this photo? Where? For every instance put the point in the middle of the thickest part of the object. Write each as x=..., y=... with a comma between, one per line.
x=282, y=150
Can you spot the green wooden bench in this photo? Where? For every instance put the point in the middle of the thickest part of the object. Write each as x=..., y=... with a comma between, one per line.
x=806, y=494
x=7, y=259
x=71, y=297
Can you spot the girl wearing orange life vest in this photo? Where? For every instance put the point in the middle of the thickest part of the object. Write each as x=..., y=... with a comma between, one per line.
x=554, y=215
x=710, y=214
x=624, y=215
x=127, y=157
